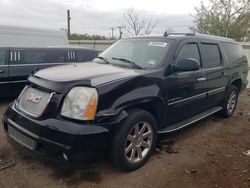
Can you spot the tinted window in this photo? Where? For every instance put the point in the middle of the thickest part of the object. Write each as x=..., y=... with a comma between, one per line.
x=34, y=57
x=211, y=55
x=189, y=51
x=2, y=56
x=85, y=55
x=42, y=56
x=55, y=56
x=234, y=52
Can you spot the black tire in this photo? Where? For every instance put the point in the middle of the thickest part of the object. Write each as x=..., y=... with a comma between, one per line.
x=118, y=155
x=225, y=112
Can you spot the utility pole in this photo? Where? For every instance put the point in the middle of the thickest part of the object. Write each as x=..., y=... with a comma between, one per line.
x=120, y=31
x=68, y=22
x=112, y=32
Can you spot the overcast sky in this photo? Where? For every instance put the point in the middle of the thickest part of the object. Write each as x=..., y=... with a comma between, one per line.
x=95, y=16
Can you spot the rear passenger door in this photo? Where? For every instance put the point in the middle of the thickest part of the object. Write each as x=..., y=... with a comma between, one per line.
x=216, y=78
x=4, y=75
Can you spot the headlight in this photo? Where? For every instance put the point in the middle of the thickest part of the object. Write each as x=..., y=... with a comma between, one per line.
x=80, y=103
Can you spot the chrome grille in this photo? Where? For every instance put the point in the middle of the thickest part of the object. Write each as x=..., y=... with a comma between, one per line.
x=33, y=101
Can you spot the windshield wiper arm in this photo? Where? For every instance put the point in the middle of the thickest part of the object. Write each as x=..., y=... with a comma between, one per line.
x=128, y=61
x=104, y=59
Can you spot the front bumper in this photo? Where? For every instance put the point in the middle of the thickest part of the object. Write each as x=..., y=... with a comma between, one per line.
x=55, y=138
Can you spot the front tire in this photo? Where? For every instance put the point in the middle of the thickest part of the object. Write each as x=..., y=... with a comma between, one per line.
x=134, y=140
x=230, y=101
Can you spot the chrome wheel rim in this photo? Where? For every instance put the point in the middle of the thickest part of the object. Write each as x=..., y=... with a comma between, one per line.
x=138, y=142
x=231, y=102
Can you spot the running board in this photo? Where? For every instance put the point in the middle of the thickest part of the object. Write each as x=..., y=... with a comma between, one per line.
x=189, y=121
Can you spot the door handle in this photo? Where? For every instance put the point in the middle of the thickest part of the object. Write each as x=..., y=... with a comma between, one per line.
x=201, y=79
x=2, y=71
x=223, y=74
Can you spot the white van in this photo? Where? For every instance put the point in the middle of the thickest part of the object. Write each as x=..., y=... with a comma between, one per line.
x=16, y=36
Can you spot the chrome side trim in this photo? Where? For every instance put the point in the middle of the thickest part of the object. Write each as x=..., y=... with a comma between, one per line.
x=22, y=129
x=18, y=65
x=201, y=79
x=15, y=56
x=215, y=91
x=191, y=122
x=199, y=96
x=213, y=68
x=10, y=82
x=68, y=55
x=18, y=56
x=11, y=56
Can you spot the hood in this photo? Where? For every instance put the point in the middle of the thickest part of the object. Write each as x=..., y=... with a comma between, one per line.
x=88, y=73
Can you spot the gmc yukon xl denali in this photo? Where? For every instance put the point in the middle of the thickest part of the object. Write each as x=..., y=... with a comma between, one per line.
x=120, y=102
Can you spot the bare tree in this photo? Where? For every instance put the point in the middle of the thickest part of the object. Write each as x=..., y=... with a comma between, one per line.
x=149, y=25
x=135, y=24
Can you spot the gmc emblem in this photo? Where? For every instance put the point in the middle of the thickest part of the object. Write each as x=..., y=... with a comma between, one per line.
x=33, y=98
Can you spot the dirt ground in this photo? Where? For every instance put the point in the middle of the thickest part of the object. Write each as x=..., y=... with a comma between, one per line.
x=206, y=154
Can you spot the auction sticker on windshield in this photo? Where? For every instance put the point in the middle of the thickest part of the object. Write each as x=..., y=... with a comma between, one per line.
x=158, y=44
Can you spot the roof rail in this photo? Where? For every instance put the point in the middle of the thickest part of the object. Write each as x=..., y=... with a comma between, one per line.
x=185, y=34
x=214, y=37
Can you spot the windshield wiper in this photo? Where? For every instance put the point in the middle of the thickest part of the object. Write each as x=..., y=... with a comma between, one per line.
x=104, y=59
x=128, y=61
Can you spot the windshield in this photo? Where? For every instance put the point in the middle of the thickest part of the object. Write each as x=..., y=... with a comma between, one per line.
x=136, y=53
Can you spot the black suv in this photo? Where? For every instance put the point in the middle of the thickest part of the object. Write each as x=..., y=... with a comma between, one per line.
x=120, y=102
x=17, y=63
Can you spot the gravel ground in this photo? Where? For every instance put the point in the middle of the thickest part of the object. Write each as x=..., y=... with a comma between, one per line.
x=206, y=154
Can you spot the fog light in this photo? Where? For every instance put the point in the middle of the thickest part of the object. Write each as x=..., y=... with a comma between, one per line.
x=65, y=156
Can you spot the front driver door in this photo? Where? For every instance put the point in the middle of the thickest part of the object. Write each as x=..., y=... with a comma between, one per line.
x=186, y=91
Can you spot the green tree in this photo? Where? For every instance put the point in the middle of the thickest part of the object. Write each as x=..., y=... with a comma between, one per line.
x=228, y=18
x=85, y=36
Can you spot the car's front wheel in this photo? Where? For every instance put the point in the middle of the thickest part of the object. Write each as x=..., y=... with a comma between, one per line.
x=134, y=140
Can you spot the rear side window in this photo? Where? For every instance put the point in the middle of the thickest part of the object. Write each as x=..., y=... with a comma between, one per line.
x=189, y=51
x=234, y=52
x=211, y=55
x=33, y=57
x=2, y=57
x=85, y=55
x=55, y=56
x=42, y=56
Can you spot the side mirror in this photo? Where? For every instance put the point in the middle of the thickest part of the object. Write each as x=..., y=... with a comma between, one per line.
x=188, y=64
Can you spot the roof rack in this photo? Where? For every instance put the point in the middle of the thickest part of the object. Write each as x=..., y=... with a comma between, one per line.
x=185, y=34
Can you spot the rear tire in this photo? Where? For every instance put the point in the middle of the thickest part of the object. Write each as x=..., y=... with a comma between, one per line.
x=134, y=140
x=230, y=101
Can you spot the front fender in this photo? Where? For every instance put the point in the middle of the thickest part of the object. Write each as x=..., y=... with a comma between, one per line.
x=146, y=97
